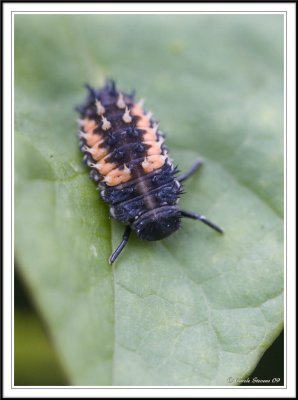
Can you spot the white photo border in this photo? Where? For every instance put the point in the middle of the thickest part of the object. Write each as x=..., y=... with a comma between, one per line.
x=289, y=11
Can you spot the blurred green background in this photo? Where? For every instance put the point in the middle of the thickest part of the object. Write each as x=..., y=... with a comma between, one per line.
x=236, y=57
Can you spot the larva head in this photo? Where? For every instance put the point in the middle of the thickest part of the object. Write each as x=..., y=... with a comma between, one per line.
x=158, y=223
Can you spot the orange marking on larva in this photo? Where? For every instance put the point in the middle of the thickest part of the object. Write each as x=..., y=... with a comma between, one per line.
x=150, y=134
x=89, y=124
x=143, y=122
x=143, y=119
x=137, y=110
x=153, y=162
x=104, y=167
x=117, y=176
x=97, y=152
x=154, y=149
x=93, y=139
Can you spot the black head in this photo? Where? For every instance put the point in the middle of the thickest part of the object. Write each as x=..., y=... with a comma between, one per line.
x=158, y=223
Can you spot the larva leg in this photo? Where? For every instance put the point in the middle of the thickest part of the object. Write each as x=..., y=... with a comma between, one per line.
x=192, y=170
x=189, y=214
x=121, y=246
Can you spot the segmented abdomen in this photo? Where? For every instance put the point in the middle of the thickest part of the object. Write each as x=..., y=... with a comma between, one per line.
x=124, y=147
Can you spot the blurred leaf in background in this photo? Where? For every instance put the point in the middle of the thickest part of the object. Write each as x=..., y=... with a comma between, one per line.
x=195, y=308
x=36, y=362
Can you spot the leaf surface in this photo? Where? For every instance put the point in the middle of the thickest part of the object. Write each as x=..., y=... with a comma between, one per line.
x=198, y=307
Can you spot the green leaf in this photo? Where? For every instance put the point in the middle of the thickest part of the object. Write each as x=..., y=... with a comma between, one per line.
x=198, y=307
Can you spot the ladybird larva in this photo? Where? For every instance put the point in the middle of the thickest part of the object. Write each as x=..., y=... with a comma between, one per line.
x=124, y=147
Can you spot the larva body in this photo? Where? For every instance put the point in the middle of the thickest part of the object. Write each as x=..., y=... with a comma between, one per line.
x=125, y=150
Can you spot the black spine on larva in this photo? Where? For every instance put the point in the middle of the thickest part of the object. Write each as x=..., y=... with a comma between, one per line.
x=147, y=201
